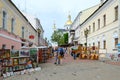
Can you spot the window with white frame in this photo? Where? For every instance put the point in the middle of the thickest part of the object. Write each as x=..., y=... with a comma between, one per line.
x=12, y=25
x=23, y=32
x=98, y=24
x=98, y=44
x=104, y=20
x=115, y=42
x=116, y=13
x=4, y=20
x=89, y=29
x=3, y=46
x=104, y=44
x=93, y=27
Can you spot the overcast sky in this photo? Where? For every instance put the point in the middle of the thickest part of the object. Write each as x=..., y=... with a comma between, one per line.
x=49, y=11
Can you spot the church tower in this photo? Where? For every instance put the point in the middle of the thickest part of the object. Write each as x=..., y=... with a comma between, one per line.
x=68, y=22
x=54, y=26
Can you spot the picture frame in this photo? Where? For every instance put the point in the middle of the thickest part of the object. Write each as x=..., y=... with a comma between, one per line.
x=24, y=53
x=14, y=53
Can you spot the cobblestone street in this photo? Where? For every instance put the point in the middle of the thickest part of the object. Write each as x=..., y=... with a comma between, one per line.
x=73, y=70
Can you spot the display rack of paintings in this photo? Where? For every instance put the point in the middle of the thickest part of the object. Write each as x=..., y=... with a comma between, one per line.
x=20, y=59
x=12, y=61
x=44, y=54
x=5, y=60
x=33, y=54
x=0, y=67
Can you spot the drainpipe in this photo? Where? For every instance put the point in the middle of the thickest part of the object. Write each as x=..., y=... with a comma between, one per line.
x=119, y=22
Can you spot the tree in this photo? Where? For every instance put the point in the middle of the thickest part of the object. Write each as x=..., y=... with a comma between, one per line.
x=66, y=38
x=58, y=37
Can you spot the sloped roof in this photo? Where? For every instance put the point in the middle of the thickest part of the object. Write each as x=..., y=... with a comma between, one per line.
x=87, y=12
x=31, y=19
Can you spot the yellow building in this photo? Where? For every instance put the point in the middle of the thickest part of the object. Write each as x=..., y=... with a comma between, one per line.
x=15, y=30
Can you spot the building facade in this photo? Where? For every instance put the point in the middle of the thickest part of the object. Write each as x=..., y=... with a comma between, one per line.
x=80, y=18
x=15, y=29
x=103, y=26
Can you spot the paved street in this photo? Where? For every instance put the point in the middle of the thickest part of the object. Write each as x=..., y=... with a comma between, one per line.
x=73, y=70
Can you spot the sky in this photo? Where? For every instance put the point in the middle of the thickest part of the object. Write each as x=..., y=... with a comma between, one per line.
x=50, y=11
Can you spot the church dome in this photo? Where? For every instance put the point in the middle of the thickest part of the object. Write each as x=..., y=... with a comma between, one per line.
x=69, y=22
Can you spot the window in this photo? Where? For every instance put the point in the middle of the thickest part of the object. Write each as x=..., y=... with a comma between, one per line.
x=93, y=27
x=12, y=25
x=116, y=13
x=3, y=46
x=98, y=24
x=93, y=44
x=12, y=47
x=89, y=29
x=89, y=45
x=23, y=32
x=4, y=20
x=98, y=44
x=104, y=20
x=116, y=42
x=104, y=44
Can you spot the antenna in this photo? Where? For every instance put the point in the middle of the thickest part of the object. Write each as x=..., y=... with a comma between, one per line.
x=25, y=7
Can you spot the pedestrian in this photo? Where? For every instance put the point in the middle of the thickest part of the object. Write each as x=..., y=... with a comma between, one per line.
x=60, y=54
x=56, y=55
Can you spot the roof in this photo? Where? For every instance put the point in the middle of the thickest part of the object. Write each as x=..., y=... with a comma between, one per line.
x=94, y=12
x=31, y=19
x=84, y=14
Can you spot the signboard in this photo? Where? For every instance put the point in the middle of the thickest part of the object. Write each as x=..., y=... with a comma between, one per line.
x=102, y=51
x=31, y=37
x=118, y=47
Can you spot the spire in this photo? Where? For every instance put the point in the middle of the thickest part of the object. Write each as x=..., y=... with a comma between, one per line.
x=54, y=26
x=69, y=17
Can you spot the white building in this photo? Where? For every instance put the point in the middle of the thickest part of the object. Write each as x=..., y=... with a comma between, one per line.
x=35, y=22
x=103, y=25
x=81, y=17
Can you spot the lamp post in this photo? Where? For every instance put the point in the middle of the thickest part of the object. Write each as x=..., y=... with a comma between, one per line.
x=38, y=31
x=86, y=35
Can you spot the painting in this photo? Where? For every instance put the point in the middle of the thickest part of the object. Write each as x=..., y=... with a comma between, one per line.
x=24, y=53
x=14, y=53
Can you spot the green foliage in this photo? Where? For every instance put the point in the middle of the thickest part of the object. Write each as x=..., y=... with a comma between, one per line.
x=66, y=38
x=57, y=36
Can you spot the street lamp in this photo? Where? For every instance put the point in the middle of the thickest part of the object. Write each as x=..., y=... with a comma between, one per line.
x=86, y=35
x=38, y=31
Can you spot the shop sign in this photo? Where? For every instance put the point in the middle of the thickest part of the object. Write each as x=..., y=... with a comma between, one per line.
x=31, y=37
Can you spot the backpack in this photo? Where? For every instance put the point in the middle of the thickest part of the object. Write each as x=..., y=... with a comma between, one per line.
x=61, y=52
